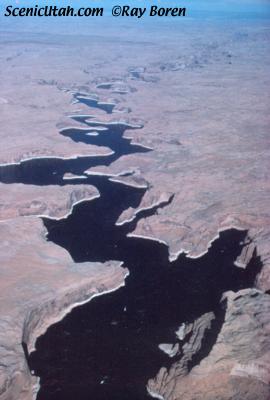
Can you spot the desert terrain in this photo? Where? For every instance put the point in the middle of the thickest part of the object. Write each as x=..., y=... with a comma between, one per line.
x=174, y=117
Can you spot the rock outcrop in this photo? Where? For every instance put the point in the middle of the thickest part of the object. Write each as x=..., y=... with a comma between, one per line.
x=39, y=284
x=230, y=370
x=202, y=104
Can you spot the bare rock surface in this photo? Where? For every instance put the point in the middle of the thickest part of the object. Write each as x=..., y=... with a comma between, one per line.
x=203, y=102
x=39, y=284
x=230, y=371
x=20, y=200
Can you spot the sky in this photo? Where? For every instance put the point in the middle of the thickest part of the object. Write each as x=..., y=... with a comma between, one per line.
x=213, y=7
x=196, y=10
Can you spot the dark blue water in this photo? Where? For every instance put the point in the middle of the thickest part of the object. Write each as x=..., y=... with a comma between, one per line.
x=95, y=103
x=108, y=348
x=51, y=170
x=111, y=136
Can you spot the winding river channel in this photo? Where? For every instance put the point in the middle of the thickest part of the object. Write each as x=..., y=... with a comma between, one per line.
x=109, y=348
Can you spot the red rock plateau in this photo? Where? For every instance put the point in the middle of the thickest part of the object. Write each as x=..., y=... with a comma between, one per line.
x=200, y=94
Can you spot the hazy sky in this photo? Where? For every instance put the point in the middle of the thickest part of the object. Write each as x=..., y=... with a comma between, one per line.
x=212, y=6
x=197, y=9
